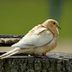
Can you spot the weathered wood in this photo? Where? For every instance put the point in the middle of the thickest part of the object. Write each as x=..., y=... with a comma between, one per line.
x=54, y=62
x=10, y=36
x=8, y=40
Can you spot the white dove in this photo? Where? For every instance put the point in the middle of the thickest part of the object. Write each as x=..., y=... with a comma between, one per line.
x=39, y=40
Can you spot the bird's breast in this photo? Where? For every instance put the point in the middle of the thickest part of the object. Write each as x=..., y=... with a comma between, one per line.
x=46, y=48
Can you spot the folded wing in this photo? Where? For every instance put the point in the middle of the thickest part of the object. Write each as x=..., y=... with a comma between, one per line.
x=39, y=37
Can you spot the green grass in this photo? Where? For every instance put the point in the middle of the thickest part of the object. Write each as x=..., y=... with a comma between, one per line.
x=66, y=19
x=19, y=16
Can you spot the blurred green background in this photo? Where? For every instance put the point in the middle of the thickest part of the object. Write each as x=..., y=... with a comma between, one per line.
x=19, y=16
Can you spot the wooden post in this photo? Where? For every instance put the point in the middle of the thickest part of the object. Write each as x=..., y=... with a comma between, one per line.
x=54, y=62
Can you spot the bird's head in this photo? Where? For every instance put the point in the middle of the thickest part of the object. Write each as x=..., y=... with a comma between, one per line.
x=52, y=25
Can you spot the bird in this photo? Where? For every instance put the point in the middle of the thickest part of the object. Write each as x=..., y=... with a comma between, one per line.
x=38, y=41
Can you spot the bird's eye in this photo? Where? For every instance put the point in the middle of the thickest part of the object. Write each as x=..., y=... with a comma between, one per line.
x=54, y=23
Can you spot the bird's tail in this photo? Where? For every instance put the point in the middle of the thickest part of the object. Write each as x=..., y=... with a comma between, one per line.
x=10, y=53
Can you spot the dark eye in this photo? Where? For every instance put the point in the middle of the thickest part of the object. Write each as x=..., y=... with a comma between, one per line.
x=54, y=23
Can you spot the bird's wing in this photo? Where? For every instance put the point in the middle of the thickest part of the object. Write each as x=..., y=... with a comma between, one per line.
x=39, y=37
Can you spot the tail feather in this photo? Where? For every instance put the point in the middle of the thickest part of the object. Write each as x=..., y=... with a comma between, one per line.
x=10, y=53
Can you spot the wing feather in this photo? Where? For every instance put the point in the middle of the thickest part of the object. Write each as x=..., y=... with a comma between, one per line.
x=35, y=39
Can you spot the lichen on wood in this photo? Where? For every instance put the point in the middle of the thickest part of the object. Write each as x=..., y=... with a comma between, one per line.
x=60, y=63
x=8, y=40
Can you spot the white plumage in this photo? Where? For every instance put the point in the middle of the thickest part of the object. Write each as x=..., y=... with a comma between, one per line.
x=34, y=39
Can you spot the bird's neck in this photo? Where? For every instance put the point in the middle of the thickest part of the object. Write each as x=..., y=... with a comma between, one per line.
x=54, y=32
